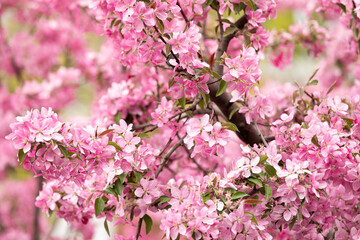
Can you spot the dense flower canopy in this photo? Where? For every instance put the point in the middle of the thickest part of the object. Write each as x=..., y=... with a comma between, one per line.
x=186, y=139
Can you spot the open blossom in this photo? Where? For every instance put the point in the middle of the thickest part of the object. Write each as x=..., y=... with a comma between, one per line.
x=141, y=15
x=162, y=113
x=255, y=18
x=242, y=72
x=48, y=198
x=196, y=127
x=246, y=166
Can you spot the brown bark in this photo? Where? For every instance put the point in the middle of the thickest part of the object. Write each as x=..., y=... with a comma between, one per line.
x=247, y=132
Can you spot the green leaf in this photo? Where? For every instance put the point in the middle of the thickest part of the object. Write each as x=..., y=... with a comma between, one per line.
x=215, y=74
x=112, y=23
x=171, y=81
x=253, y=217
x=322, y=191
x=238, y=194
x=222, y=87
x=342, y=6
x=233, y=112
x=299, y=216
x=106, y=226
x=315, y=141
x=117, y=117
x=122, y=177
x=64, y=151
x=99, y=206
x=238, y=7
x=138, y=176
x=201, y=104
x=190, y=113
x=255, y=181
x=182, y=102
x=132, y=213
x=162, y=199
x=313, y=82
x=168, y=49
x=251, y=5
x=144, y=135
x=263, y=158
x=229, y=189
x=291, y=225
x=204, y=102
x=148, y=223
x=206, y=197
x=160, y=25
x=118, y=187
x=208, y=2
x=268, y=192
x=295, y=93
x=114, y=144
x=110, y=190
x=227, y=21
x=270, y=170
x=230, y=126
x=230, y=30
x=21, y=156
x=117, y=23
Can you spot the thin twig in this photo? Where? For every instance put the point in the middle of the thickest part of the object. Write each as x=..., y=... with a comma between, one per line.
x=166, y=146
x=261, y=135
x=145, y=125
x=191, y=107
x=182, y=12
x=214, y=81
x=168, y=155
x=163, y=40
x=139, y=228
x=172, y=171
x=220, y=24
x=192, y=159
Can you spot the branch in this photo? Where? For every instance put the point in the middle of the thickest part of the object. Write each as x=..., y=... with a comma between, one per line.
x=247, y=132
x=182, y=12
x=35, y=227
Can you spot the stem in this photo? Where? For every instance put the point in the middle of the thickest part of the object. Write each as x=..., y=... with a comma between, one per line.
x=139, y=228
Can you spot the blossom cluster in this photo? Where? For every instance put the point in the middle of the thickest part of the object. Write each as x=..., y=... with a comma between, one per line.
x=242, y=72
